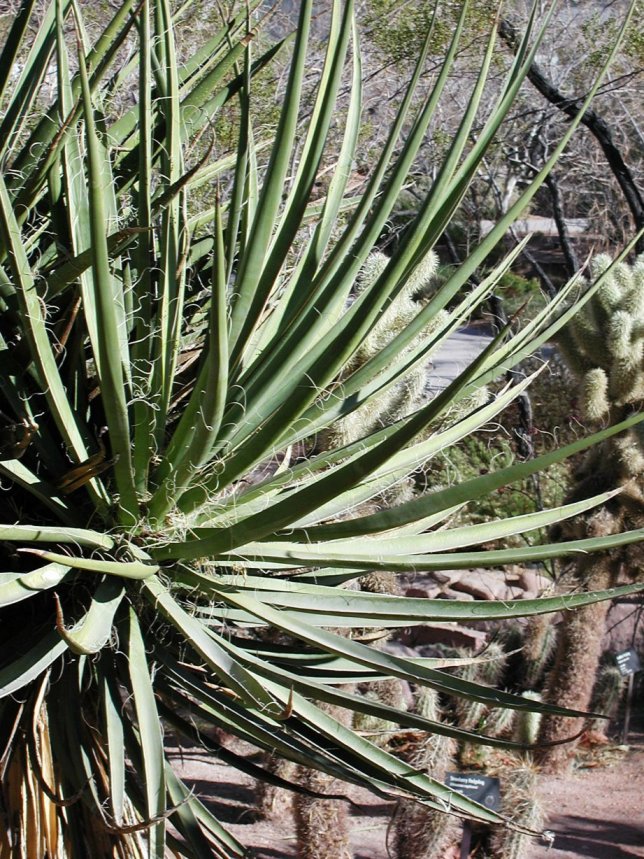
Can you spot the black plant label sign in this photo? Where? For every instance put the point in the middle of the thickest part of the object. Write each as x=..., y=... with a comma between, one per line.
x=628, y=662
x=481, y=788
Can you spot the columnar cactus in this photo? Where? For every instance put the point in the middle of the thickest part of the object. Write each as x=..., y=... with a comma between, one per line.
x=490, y=672
x=608, y=691
x=604, y=346
x=520, y=803
x=527, y=722
x=538, y=645
x=422, y=832
x=322, y=825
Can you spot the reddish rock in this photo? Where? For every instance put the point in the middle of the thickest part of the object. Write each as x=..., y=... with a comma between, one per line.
x=446, y=577
x=533, y=583
x=423, y=592
x=450, y=594
x=451, y=635
x=483, y=584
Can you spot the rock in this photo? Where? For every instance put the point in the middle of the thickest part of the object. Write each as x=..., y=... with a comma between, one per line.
x=449, y=594
x=446, y=577
x=483, y=584
x=451, y=635
x=514, y=593
x=533, y=583
x=429, y=592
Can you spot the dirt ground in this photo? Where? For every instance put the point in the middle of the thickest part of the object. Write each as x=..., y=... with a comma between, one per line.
x=597, y=812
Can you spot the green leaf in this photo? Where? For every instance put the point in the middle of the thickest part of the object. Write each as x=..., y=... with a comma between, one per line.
x=125, y=569
x=15, y=587
x=150, y=734
x=93, y=632
x=106, y=300
x=18, y=673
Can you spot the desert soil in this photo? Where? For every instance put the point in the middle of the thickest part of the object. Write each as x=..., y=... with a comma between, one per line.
x=596, y=812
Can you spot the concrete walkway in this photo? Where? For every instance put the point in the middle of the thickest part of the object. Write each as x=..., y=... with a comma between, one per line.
x=456, y=353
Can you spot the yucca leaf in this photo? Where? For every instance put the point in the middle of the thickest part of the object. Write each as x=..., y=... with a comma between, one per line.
x=19, y=474
x=15, y=587
x=49, y=534
x=186, y=820
x=362, y=704
x=392, y=665
x=461, y=493
x=248, y=301
x=115, y=747
x=258, y=497
x=298, y=555
x=44, y=145
x=106, y=300
x=27, y=667
x=222, y=710
x=287, y=352
x=95, y=629
x=209, y=648
x=36, y=333
x=150, y=735
x=125, y=569
x=311, y=598
x=451, y=538
x=30, y=79
x=190, y=446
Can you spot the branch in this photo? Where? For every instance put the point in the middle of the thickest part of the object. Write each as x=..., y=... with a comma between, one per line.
x=593, y=122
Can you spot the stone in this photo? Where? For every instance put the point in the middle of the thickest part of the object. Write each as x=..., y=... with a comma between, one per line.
x=483, y=584
x=533, y=583
x=446, y=577
x=450, y=635
x=449, y=594
x=423, y=592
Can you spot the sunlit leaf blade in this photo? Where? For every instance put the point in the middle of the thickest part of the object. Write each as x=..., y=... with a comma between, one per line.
x=106, y=299
x=151, y=738
x=15, y=588
x=93, y=632
x=19, y=672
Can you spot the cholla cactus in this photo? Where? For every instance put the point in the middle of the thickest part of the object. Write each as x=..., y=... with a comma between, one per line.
x=322, y=825
x=604, y=343
x=490, y=672
x=604, y=346
x=399, y=399
x=274, y=802
x=539, y=642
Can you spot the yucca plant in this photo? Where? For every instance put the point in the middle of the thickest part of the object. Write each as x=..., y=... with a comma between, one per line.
x=173, y=555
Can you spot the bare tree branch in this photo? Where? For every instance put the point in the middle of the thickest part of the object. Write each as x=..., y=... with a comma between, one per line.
x=597, y=126
x=570, y=255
